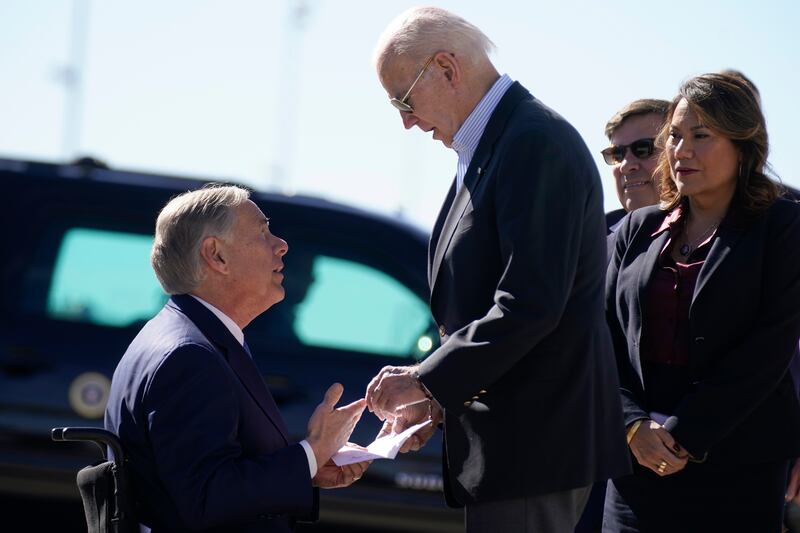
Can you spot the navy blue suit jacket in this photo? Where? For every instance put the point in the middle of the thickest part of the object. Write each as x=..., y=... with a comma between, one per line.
x=208, y=448
x=744, y=323
x=526, y=371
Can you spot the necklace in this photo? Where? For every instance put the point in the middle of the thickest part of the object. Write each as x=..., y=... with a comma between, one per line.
x=688, y=247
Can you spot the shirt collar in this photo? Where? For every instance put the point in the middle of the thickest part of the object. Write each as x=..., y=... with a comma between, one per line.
x=469, y=134
x=735, y=217
x=235, y=330
x=672, y=219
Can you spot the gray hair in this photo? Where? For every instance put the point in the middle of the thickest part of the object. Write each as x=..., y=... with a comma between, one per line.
x=181, y=227
x=422, y=31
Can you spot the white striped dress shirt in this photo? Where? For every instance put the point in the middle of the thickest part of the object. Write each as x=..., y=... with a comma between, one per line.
x=466, y=139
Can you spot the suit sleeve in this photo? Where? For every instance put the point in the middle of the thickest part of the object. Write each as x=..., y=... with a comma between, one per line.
x=192, y=416
x=753, y=368
x=541, y=190
x=629, y=383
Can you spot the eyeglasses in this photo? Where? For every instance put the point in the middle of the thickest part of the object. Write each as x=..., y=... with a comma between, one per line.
x=642, y=149
x=402, y=105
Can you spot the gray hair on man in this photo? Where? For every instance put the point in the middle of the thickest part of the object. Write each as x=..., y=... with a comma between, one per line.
x=182, y=226
x=421, y=31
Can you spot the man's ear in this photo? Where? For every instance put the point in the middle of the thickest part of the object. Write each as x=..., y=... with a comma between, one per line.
x=213, y=254
x=448, y=63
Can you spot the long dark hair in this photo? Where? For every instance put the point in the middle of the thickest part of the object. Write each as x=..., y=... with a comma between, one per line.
x=727, y=105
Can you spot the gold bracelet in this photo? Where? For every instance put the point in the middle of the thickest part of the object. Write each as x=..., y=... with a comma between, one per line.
x=632, y=430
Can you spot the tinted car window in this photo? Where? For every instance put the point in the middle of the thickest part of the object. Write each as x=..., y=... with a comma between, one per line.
x=104, y=277
x=352, y=306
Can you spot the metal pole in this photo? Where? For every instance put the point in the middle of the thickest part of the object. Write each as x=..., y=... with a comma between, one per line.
x=72, y=79
x=288, y=95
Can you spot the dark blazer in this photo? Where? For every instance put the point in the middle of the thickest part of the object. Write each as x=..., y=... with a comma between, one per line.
x=207, y=445
x=744, y=325
x=612, y=217
x=525, y=372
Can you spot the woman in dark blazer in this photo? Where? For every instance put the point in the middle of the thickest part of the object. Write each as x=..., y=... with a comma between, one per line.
x=703, y=302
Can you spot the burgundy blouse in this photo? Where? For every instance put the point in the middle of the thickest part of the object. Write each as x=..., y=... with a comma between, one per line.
x=665, y=320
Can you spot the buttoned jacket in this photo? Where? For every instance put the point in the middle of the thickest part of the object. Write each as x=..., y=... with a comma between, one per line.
x=744, y=325
x=517, y=260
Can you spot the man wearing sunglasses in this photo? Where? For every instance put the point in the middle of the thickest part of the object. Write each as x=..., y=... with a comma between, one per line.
x=524, y=379
x=633, y=156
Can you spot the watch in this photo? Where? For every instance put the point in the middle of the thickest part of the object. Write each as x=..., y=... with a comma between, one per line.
x=421, y=385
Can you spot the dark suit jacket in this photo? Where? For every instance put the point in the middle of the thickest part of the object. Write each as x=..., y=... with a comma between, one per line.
x=744, y=325
x=525, y=372
x=207, y=445
x=612, y=217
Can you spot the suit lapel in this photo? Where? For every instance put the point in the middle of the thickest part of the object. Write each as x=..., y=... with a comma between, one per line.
x=726, y=240
x=239, y=360
x=245, y=368
x=454, y=214
x=475, y=172
x=437, y=229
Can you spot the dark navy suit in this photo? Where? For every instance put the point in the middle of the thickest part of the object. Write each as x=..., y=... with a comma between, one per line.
x=208, y=448
x=613, y=217
x=740, y=415
x=526, y=371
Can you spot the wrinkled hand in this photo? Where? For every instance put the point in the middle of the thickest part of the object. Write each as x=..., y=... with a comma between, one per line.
x=793, y=490
x=330, y=476
x=653, y=444
x=329, y=427
x=392, y=387
x=408, y=415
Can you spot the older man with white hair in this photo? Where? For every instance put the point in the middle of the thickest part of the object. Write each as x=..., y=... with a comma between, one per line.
x=525, y=378
x=208, y=449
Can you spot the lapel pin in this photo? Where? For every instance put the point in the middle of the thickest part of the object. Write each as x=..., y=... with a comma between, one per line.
x=480, y=171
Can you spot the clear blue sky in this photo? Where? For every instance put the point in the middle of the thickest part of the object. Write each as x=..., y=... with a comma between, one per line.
x=233, y=90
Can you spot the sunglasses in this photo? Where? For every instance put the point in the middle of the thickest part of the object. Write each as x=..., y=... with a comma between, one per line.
x=402, y=105
x=642, y=149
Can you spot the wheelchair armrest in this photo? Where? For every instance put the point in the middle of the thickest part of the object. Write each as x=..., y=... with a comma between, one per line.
x=99, y=436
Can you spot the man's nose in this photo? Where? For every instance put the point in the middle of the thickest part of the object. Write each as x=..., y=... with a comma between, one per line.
x=629, y=162
x=409, y=120
x=280, y=246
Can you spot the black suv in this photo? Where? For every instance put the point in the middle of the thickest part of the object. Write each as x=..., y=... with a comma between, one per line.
x=76, y=286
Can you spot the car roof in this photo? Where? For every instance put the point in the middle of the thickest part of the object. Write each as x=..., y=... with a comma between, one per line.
x=94, y=170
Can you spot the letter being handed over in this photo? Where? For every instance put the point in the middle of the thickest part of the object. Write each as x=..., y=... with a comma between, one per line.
x=408, y=428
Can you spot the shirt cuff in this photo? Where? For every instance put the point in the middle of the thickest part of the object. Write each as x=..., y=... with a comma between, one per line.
x=312, y=459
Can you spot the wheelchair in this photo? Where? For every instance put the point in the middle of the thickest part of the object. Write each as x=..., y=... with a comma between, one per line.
x=104, y=486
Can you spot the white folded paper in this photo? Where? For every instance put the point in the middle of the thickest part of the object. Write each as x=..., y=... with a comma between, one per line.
x=385, y=447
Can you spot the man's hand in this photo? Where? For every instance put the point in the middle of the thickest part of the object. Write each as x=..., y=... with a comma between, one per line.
x=330, y=476
x=654, y=448
x=329, y=427
x=392, y=387
x=793, y=490
x=411, y=414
